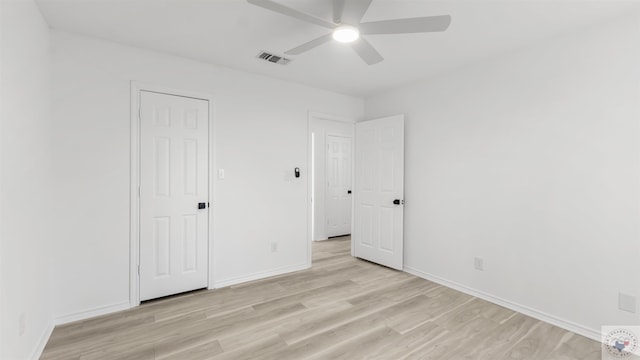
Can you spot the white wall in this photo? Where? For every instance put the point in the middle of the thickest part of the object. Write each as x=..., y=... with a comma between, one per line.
x=260, y=137
x=321, y=126
x=530, y=161
x=25, y=178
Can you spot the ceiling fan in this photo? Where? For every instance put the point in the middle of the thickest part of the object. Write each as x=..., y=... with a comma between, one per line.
x=347, y=28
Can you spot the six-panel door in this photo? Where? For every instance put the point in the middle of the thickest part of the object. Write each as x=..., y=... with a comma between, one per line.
x=379, y=191
x=174, y=148
x=338, y=197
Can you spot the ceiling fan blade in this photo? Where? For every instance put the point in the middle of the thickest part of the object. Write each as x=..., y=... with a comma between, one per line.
x=366, y=51
x=284, y=10
x=338, y=8
x=309, y=45
x=406, y=26
x=354, y=10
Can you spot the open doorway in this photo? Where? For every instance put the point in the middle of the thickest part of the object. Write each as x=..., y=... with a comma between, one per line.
x=330, y=252
x=331, y=158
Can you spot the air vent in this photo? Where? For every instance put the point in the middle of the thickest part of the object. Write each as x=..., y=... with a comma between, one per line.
x=273, y=58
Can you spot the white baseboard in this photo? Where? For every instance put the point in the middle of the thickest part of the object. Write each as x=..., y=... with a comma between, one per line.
x=537, y=314
x=260, y=275
x=42, y=342
x=64, y=319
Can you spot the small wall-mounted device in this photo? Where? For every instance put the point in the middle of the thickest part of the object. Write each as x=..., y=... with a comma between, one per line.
x=296, y=171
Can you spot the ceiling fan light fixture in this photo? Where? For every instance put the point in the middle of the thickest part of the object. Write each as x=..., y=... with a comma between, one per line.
x=346, y=34
x=349, y=34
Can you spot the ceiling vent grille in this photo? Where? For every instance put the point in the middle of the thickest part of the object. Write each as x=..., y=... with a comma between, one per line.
x=273, y=58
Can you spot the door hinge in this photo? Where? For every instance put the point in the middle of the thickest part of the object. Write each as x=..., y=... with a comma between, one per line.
x=139, y=192
x=138, y=270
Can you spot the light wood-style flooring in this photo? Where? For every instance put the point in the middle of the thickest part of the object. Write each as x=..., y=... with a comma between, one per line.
x=342, y=308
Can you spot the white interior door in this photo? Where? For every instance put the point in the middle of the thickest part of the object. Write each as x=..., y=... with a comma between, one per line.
x=338, y=193
x=174, y=194
x=379, y=191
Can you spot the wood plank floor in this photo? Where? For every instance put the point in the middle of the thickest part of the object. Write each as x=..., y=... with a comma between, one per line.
x=342, y=308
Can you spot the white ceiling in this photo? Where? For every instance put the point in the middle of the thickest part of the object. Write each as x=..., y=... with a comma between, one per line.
x=232, y=32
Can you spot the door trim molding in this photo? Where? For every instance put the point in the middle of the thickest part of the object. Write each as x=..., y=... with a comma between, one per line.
x=134, y=198
x=321, y=116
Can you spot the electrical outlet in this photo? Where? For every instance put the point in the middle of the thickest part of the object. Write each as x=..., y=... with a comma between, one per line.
x=274, y=247
x=22, y=323
x=627, y=303
x=478, y=264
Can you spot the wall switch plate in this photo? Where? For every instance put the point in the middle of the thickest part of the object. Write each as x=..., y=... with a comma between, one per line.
x=478, y=264
x=627, y=303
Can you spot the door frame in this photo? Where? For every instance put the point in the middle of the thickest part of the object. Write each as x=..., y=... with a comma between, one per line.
x=310, y=195
x=134, y=195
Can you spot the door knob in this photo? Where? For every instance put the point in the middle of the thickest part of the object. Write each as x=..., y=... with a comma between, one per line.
x=348, y=191
x=202, y=206
x=398, y=202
